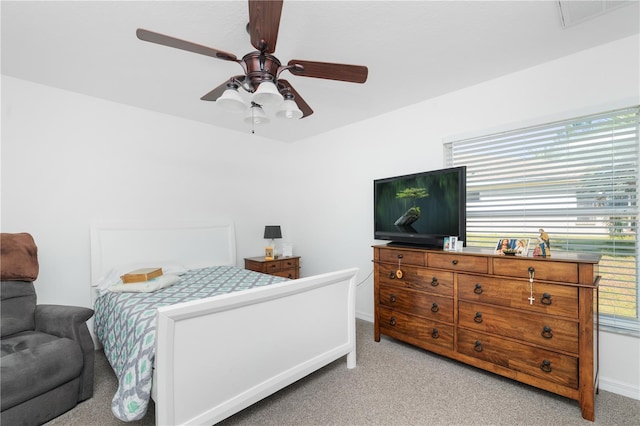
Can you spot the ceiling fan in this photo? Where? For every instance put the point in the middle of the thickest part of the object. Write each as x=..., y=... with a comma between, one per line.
x=261, y=69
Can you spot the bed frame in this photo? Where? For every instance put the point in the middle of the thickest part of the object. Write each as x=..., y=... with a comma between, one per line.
x=217, y=356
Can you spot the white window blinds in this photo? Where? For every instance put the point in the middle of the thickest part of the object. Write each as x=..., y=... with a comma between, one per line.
x=578, y=180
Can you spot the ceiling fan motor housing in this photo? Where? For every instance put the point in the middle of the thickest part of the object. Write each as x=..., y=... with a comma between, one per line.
x=260, y=67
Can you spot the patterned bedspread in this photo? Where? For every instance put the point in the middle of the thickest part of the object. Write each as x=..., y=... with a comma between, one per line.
x=125, y=323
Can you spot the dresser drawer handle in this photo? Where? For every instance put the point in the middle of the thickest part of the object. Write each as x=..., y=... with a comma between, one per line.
x=454, y=262
x=478, y=346
x=392, y=298
x=392, y=321
x=478, y=317
x=546, y=366
x=546, y=332
x=434, y=333
x=478, y=288
x=392, y=275
x=434, y=307
x=546, y=299
x=434, y=281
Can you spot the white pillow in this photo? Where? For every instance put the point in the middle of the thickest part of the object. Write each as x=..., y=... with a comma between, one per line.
x=112, y=277
x=147, y=286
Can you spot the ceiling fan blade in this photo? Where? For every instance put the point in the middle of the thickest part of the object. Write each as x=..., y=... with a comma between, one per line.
x=165, y=40
x=218, y=91
x=264, y=22
x=304, y=107
x=329, y=71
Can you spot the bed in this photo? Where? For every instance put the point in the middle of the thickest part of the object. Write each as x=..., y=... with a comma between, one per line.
x=215, y=356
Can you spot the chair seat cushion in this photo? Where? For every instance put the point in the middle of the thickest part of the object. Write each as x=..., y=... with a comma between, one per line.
x=33, y=363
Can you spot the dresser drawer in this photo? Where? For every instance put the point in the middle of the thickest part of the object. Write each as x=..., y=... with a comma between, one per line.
x=432, y=280
x=549, y=298
x=458, y=262
x=417, y=330
x=545, y=364
x=405, y=257
x=420, y=303
x=543, y=269
x=544, y=330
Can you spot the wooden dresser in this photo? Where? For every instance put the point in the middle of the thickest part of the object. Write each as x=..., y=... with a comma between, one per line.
x=288, y=267
x=473, y=306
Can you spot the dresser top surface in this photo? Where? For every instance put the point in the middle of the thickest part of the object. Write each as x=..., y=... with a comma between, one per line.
x=557, y=255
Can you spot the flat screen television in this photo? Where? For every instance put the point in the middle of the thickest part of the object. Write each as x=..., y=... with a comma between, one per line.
x=421, y=209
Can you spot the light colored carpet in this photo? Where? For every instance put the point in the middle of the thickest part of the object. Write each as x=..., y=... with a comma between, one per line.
x=393, y=384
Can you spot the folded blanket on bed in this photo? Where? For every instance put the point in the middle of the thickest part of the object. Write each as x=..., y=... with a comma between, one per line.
x=18, y=257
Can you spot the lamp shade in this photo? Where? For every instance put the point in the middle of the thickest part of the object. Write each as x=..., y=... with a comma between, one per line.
x=256, y=115
x=289, y=110
x=231, y=100
x=271, y=232
x=267, y=94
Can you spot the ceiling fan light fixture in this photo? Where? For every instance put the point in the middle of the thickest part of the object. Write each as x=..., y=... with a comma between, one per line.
x=267, y=94
x=256, y=115
x=289, y=110
x=231, y=100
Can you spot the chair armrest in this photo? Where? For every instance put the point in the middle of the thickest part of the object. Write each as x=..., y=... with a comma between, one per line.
x=71, y=322
x=62, y=321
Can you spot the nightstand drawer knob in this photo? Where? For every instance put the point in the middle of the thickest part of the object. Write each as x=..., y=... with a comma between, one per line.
x=392, y=321
x=546, y=366
x=478, y=317
x=546, y=332
x=392, y=298
x=478, y=346
x=434, y=281
x=435, y=333
x=434, y=307
x=478, y=288
x=454, y=262
x=546, y=299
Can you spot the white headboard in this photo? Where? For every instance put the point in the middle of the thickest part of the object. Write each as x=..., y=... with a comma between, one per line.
x=193, y=245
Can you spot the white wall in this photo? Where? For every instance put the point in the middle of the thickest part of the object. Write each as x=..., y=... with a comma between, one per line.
x=69, y=159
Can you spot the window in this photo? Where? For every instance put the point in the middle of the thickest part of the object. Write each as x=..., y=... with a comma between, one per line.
x=578, y=180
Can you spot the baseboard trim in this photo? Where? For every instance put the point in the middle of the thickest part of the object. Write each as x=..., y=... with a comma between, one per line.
x=620, y=388
x=364, y=316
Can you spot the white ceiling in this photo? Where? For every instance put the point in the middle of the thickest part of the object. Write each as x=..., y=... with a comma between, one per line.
x=415, y=50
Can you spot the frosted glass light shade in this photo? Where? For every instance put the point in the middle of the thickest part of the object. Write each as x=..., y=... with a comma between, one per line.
x=231, y=101
x=267, y=94
x=256, y=115
x=289, y=110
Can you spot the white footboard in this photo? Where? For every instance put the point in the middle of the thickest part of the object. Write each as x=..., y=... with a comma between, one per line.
x=217, y=356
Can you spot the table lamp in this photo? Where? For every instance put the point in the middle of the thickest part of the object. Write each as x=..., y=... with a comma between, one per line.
x=271, y=232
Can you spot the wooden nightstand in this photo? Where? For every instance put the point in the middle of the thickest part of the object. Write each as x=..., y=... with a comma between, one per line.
x=288, y=267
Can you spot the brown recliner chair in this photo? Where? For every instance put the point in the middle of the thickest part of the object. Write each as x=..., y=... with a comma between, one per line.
x=47, y=353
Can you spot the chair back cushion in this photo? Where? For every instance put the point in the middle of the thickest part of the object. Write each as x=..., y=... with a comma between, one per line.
x=18, y=306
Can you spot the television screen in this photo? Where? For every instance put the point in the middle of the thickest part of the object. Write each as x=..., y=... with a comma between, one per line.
x=421, y=208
